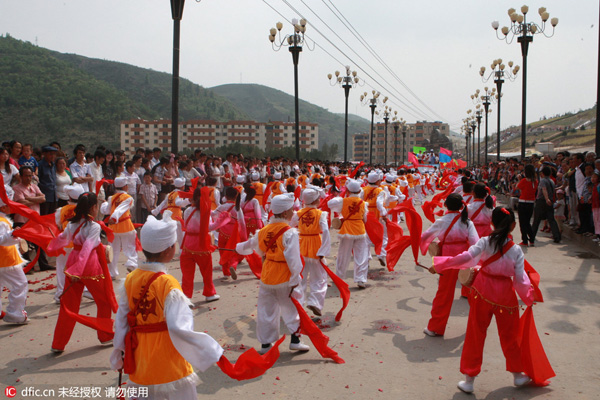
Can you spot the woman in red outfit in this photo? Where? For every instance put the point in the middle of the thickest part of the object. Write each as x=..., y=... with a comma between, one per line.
x=86, y=267
x=528, y=189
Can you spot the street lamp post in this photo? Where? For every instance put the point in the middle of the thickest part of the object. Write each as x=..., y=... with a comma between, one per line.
x=473, y=125
x=386, y=117
x=294, y=43
x=372, y=102
x=403, y=143
x=396, y=126
x=478, y=118
x=347, y=82
x=486, y=99
x=498, y=71
x=524, y=32
x=177, y=15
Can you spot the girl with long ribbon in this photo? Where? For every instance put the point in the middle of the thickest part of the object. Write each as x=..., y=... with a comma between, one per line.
x=503, y=271
x=86, y=267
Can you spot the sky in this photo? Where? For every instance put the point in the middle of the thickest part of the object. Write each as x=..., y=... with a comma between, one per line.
x=434, y=48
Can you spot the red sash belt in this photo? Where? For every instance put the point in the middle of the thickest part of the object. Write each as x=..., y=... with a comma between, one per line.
x=493, y=276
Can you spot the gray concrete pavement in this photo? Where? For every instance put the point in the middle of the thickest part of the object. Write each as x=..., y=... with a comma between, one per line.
x=380, y=338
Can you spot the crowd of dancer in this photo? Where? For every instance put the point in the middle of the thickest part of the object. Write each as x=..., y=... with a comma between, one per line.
x=277, y=216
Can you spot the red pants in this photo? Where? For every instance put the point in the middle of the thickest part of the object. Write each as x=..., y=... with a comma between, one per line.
x=234, y=259
x=71, y=298
x=188, y=262
x=442, y=303
x=480, y=316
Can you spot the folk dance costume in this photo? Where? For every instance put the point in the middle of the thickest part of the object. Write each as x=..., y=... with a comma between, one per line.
x=252, y=216
x=154, y=326
x=352, y=233
x=175, y=204
x=481, y=217
x=62, y=216
x=197, y=249
x=260, y=191
x=375, y=197
x=394, y=195
x=227, y=220
x=493, y=295
x=87, y=264
x=314, y=244
x=280, y=277
x=11, y=272
x=117, y=208
x=455, y=237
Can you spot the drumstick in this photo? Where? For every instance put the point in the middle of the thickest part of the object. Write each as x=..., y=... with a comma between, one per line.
x=427, y=268
x=222, y=249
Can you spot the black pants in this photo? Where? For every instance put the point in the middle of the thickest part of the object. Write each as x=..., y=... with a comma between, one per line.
x=48, y=207
x=544, y=211
x=586, y=218
x=525, y=211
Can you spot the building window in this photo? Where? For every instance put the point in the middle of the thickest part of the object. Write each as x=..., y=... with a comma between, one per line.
x=126, y=140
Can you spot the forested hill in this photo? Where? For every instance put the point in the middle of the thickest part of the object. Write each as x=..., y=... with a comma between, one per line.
x=46, y=95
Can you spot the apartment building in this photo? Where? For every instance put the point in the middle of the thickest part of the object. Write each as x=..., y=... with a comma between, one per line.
x=208, y=134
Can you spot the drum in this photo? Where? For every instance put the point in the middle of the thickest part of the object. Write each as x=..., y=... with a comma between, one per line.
x=434, y=249
x=23, y=246
x=336, y=223
x=109, y=253
x=466, y=276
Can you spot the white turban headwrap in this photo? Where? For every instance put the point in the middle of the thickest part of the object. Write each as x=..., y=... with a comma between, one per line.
x=179, y=182
x=157, y=236
x=120, y=182
x=74, y=191
x=277, y=175
x=373, y=177
x=240, y=179
x=310, y=195
x=255, y=176
x=282, y=203
x=353, y=185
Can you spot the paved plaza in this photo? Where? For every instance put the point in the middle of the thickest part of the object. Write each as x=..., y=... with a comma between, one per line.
x=380, y=338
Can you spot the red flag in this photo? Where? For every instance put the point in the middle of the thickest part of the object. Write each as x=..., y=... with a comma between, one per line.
x=355, y=170
x=374, y=231
x=533, y=357
x=397, y=243
x=315, y=335
x=342, y=287
x=413, y=159
x=267, y=193
x=250, y=364
x=445, y=151
x=297, y=192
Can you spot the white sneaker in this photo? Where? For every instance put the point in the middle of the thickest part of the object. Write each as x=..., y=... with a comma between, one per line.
x=361, y=285
x=263, y=350
x=212, y=298
x=430, y=333
x=467, y=385
x=520, y=379
x=21, y=320
x=299, y=346
x=130, y=268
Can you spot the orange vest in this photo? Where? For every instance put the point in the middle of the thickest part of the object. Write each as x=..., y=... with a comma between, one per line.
x=343, y=180
x=275, y=269
x=315, y=176
x=260, y=190
x=353, y=212
x=66, y=213
x=9, y=255
x=157, y=360
x=276, y=189
x=171, y=206
x=290, y=181
x=302, y=181
x=392, y=188
x=239, y=188
x=310, y=231
x=410, y=180
x=370, y=196
x=124, y=224
x=213, y=202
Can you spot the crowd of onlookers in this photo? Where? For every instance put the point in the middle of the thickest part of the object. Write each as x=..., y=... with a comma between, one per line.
x=560, y=190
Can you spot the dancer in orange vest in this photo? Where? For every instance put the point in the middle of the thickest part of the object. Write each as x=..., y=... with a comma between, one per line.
x=494, y=295
x=117, y=208
x=352, y=233
x=315, y=244
x=375, y=198
x=11, y=269
x=155, y=341
x=86, y=267
x=456, y=234
x=280, y=277
x=175, y=204
x=62, y=217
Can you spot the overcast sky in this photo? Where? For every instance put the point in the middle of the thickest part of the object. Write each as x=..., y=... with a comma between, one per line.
x=435, y=47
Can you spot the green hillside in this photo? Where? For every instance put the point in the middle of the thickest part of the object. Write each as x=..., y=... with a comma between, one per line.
x=47, y=96
x=263, y=103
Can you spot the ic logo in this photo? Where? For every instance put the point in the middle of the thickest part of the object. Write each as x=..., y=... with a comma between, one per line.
x=10, y=391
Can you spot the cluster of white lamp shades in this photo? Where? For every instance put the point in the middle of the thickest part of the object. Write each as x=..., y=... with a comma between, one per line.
x=299, y=27
x=339, y=78
x=517, y=18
